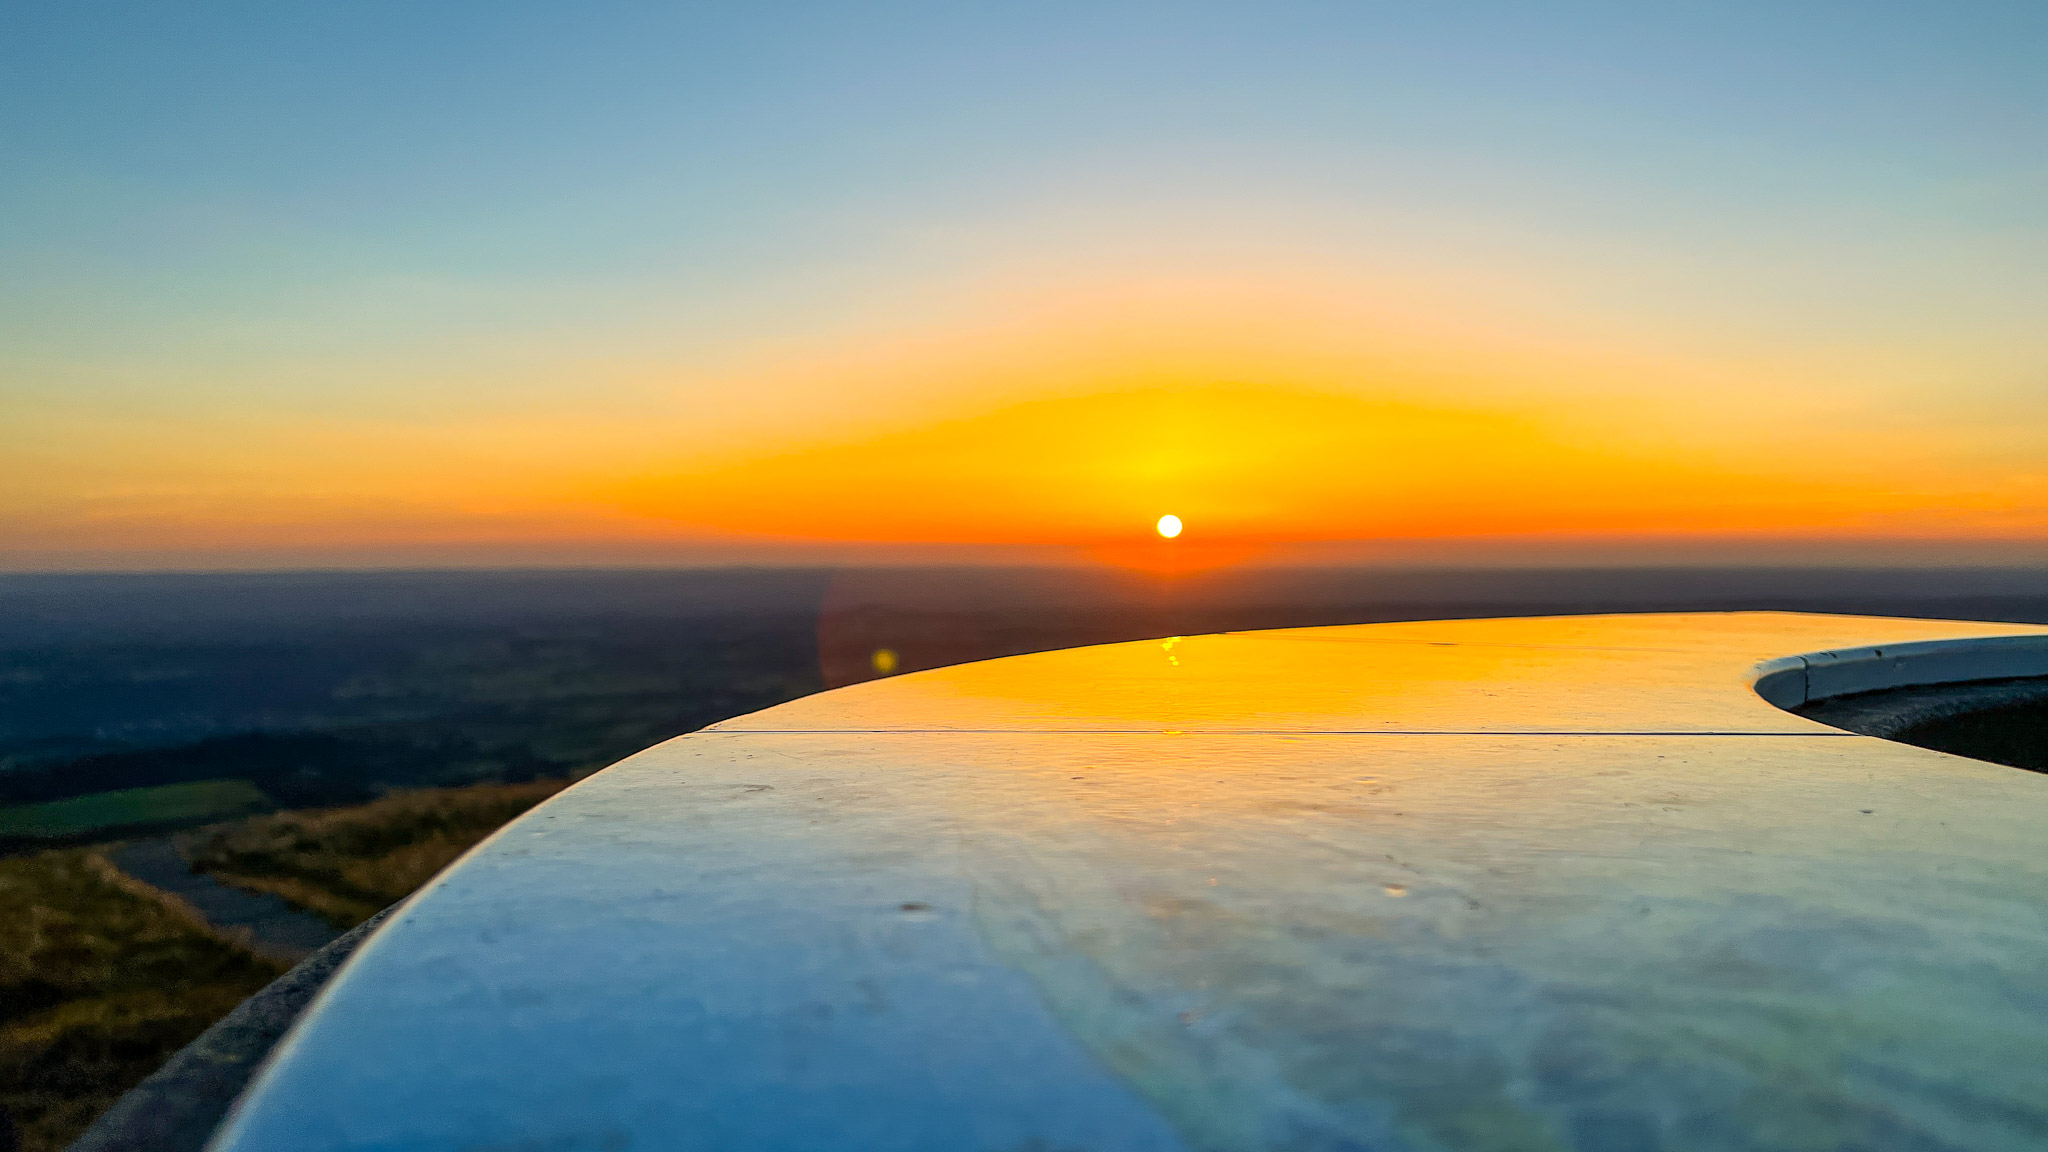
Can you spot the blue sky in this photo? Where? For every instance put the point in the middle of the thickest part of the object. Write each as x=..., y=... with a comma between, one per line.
x=410, y=214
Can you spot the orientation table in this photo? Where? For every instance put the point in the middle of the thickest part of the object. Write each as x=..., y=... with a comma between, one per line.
x=1544, y=883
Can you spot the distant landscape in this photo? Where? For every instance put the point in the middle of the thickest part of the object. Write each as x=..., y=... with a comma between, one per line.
x=301, y=690
x=334, y=739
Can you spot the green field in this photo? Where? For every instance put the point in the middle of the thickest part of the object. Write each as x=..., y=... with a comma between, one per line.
x=194, y=802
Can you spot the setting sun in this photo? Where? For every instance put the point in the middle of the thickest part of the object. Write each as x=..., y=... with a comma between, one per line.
x=1629, y=321
x=1169, y=525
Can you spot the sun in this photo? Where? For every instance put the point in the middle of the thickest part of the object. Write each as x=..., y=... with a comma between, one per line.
x=1169, y=525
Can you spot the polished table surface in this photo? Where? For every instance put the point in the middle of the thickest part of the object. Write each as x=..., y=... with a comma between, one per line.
x=1553, y=883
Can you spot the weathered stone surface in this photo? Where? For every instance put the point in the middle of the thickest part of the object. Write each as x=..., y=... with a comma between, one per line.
x=1513, y=884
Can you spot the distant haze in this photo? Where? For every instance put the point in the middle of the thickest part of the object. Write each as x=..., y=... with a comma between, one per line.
x=328, y=687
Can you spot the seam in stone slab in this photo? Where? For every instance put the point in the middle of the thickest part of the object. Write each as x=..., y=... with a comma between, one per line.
x=1260, y=634
x=1248, y=732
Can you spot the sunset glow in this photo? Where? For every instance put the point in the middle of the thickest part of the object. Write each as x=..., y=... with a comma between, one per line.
x=1329, y=284
x=1168, y=526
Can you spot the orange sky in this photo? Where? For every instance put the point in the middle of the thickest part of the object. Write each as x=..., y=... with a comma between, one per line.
x=1272, y=416
x=1596, y=282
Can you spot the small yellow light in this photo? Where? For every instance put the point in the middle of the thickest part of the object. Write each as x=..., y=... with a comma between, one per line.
x=1169, y=525
x=884, y=660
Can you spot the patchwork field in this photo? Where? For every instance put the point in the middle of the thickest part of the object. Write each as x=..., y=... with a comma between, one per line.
x=110, y=812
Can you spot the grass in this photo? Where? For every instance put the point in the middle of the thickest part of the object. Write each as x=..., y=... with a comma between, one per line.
x=347, y=864
x=100, y=981
x=102, y=978
x=130, y=807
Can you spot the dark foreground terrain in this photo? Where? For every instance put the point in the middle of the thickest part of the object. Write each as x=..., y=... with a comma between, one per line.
x=103, y=977
x=335, y=739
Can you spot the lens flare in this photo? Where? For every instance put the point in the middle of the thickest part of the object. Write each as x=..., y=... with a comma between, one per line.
x=1169, y=525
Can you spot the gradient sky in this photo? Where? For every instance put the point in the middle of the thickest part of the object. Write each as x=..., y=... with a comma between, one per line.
x=375, y=283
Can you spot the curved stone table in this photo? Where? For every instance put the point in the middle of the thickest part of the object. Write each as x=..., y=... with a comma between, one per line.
x=1564, y=883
